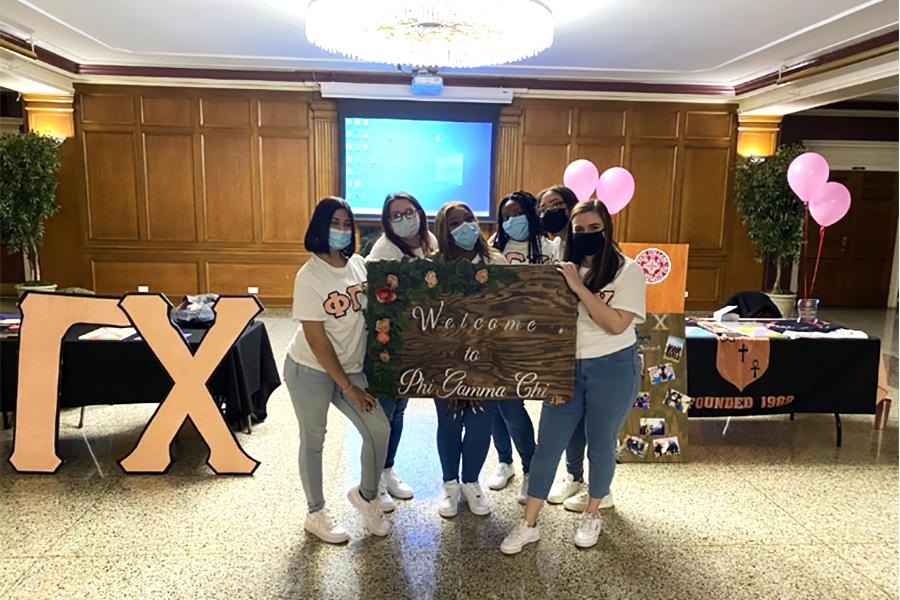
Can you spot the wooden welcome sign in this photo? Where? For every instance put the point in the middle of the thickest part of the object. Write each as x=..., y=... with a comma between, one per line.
x=457, y=330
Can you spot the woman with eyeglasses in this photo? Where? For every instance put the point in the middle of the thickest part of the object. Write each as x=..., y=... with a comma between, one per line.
x=405, y=235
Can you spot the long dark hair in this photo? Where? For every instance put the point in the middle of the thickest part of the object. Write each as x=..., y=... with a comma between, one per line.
x=316, y=240
x=528, y=204
x=609, y=260
x=447, y=248
x=424, y=238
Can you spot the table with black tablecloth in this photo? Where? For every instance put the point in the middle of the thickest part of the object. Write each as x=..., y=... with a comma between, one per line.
x=804, y=375
x=127, y=372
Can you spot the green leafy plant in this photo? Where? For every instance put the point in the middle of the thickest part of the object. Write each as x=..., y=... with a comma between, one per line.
x=395, y=285
x=771, y=213
x=29, y=163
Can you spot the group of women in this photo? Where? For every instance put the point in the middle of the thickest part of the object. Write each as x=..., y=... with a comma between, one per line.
x=324, y=363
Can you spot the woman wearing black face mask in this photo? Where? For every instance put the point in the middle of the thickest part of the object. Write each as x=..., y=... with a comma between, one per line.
x=611, y=293
x=554, y=206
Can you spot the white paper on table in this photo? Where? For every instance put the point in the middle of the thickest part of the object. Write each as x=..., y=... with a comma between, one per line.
x=720, y=314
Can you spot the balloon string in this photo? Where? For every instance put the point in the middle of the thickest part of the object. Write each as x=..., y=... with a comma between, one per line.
x=805, y=250
x=818, y=258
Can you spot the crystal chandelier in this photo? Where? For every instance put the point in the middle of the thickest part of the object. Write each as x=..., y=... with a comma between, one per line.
x=437, y=33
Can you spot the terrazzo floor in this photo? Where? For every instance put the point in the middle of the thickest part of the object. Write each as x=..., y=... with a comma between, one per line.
x=766, y=508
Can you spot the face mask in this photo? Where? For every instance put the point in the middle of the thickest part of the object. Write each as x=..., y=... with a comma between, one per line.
x=465, y=235
x=338, y=240
x=407, y=227
x=516, y=227
x=553, y=221
x=588, y=244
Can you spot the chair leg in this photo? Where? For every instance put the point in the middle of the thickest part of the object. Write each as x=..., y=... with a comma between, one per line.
x=81, y=418
x=248, y=425
x=792, y=416
x=5, y=420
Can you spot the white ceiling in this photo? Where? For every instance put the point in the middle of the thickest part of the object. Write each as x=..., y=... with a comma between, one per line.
x=717, y=42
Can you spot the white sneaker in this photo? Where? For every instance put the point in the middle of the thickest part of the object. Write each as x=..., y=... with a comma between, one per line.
x=501, y=476
x=387, y=503
x=588, y=531
x=578, y=503
x=475, y=498
x=449, y=504
x=563, y=489
x=522, y=497
x=522, y=534
x=396, y=487
x=373, y=516
x=322, y=525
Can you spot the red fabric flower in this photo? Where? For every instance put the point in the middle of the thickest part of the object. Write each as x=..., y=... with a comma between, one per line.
x=385, y=295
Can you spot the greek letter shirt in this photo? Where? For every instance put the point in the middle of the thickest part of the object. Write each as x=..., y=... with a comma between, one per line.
x=336, y=297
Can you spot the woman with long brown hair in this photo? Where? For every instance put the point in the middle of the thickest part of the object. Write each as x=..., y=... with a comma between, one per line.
x=459, y=238
x=611, y=293
x=405, y=236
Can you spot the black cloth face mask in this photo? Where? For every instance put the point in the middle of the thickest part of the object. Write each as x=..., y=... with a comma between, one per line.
x=553, y=221
x=588, y=244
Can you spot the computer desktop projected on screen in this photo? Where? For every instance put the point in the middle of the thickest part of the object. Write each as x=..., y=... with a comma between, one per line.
x=435, y=161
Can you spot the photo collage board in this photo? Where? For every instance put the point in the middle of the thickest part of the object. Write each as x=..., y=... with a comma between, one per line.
x=656, y=428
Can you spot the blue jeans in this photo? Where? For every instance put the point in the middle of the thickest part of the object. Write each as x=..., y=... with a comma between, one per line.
x=605, y=388
x=502, y=441
x=471, y=448
x=394, y=410
x=575, y=452
x=311, y=393
x=511, y=421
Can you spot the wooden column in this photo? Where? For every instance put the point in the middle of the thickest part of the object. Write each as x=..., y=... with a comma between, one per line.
x=325, y=150
x=758, y=134
x=50, y=115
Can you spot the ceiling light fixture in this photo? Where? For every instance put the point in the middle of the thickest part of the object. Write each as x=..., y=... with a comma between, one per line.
x=438, y=33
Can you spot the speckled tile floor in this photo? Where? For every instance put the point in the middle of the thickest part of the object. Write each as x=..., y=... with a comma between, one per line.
x=767, y=508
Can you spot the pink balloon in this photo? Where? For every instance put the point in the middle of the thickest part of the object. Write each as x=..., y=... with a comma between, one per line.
x=830, y=204
x=615, y=189
x=581, y=177
x=807, y=174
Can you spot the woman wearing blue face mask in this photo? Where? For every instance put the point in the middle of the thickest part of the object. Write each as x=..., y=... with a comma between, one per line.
x=459, y=238
x=324, y=366
x=405, y=235
x=519, y=237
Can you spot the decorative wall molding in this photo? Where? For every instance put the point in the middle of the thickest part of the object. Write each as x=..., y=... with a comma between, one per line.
x=857, y=155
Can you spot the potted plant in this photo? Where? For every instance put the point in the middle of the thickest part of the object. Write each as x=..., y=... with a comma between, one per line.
x=29, y=163
x=772, y=215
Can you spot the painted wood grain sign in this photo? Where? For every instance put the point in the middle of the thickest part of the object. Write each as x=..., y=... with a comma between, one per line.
x=457, y=330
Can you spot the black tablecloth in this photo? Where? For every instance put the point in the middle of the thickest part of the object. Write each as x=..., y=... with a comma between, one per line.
x=822, y=375
x=127, y=372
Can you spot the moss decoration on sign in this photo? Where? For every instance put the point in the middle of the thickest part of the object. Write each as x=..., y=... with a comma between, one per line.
x=395, y=285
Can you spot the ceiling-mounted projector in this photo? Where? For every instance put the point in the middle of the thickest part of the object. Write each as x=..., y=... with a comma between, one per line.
x=427, y=84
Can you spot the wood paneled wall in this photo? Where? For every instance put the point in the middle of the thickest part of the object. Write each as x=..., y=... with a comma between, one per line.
x=192, y=190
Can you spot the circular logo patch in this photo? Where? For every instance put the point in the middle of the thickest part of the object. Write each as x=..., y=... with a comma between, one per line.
x=655, y=263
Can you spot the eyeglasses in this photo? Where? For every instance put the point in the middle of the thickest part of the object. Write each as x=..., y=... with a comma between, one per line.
x=554, y=205
x=396, y=217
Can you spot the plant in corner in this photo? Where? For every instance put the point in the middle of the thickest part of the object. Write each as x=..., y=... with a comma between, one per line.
x=771, y=213
x=29, y=163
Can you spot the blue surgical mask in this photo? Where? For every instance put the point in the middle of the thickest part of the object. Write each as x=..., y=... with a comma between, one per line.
x=407, y=227
x=338, y=240
x=465, y=235
x=516, y=227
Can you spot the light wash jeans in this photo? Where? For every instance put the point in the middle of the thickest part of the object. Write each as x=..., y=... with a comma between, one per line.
x=312, y=392
x=605, y=388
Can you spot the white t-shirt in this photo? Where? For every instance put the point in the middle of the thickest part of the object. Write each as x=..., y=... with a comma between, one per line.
x=385, y=249
x=335, y=296
x=516, y=252
x=494, y=258
x=627, y=291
